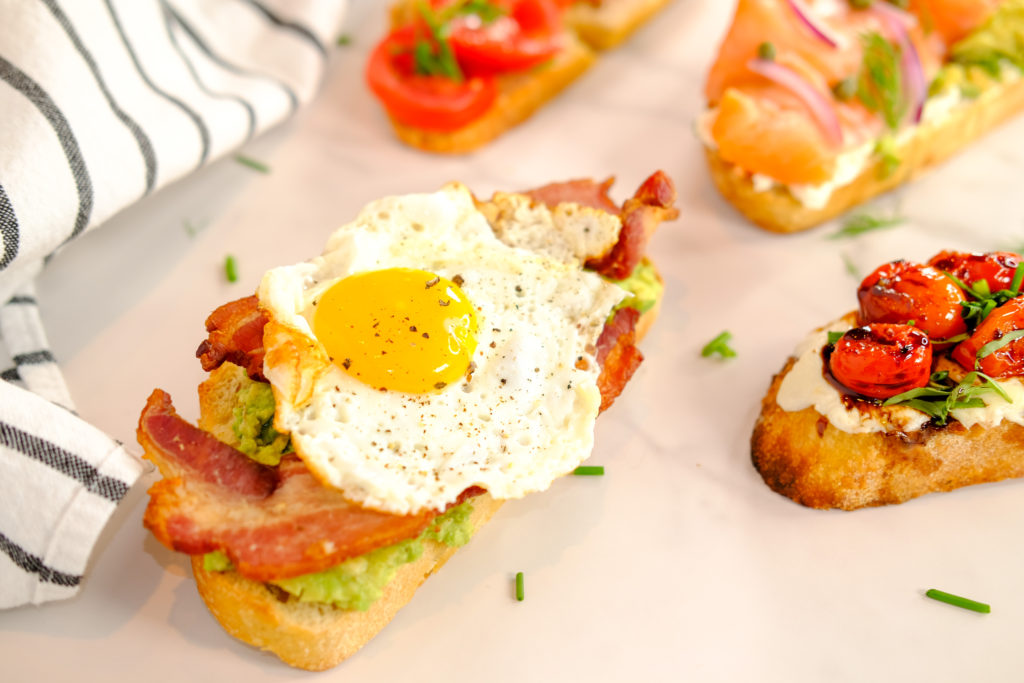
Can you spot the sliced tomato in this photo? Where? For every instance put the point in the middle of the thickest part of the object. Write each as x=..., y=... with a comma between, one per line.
x=880, y=360
x=903, y=292
x=428, y=102
x=529, y=34
x=1005, y=361
x=995, y=268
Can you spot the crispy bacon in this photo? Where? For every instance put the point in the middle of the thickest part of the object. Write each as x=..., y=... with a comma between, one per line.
x=585, y=192
x=617, y=354
x=641, y=214
x=236, y=335
x=272, y=523
x=653, y=202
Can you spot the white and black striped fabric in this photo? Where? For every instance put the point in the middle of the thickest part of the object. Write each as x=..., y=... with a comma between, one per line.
x=101, y=103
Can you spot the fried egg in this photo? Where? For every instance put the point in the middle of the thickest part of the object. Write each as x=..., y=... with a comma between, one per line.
x=420, y=354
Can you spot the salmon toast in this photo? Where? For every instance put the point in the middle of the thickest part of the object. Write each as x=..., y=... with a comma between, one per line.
x=814, y=106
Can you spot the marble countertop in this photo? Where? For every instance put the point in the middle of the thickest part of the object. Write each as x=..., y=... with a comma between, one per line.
x=679, y=563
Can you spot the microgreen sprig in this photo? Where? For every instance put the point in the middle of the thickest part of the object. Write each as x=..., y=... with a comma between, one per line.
x=984, y=300
x=433, y=56
x=861, y=223
x=942, y=395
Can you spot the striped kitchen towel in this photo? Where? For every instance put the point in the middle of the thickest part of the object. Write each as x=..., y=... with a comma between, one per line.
x=101, y=103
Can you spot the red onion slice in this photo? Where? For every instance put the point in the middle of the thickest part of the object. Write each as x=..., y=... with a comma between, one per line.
x=813, y=25
x=819, y=105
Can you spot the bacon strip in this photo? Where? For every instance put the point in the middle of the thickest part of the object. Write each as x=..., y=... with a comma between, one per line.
x=653, y=202
x=272, y=523
x=235, y=335
x=617, y=354
x=585, y=192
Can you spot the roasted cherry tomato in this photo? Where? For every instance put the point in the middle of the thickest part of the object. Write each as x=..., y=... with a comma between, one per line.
x=880, y=360
x=903, y=292
x=996, y=268
x=1005, y=361
x=427, y=102
x=527, y=35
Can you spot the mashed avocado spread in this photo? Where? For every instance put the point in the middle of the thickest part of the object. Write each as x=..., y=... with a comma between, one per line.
x=355, y=584
x=978, y=60
x=254, y=424
x=643, y=286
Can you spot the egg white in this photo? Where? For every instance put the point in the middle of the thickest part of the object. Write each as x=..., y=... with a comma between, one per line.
x=524, y=416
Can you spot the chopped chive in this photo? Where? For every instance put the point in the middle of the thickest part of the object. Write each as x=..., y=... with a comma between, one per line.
x=862, y=223
x=520, y=590
x=230, y=269
x=958, y=601
x=592, y=470
x=719, y=345
x=834, y=337
x=344, y=39
x=995, y=345
x=252, y=163
x=190, y=229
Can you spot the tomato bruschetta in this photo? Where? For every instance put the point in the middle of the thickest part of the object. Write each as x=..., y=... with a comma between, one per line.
x=919, y=390
x=454, y=74
x=814, y=106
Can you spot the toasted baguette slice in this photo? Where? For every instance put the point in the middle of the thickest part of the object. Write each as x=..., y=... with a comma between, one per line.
x=520, y=95
x=312, y=636
x=607, y=23
x=929, y=144
x=304, y=635
x=804, y=458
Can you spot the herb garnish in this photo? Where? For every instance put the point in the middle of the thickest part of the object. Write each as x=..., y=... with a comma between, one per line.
x=861, y=223
x=834, y=337
x=589, y=470
x=520, y=588
x=885, y=148
x=880, y=85
x=958, y=601
x=719, y=345
x=252, y=163
x=434, y=56
x=230, y=269
x=985, y=301
x=942, y=395
x=996, y=344
x=766, y=51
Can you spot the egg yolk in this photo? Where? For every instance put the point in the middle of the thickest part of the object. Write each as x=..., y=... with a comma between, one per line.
x=398, y=329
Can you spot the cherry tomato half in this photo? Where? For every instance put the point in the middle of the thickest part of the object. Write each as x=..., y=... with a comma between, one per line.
x=527, y=36
x=1005, y=361
x=881, y=360
x=428, y=102
x=901, y=292
x=996, y=267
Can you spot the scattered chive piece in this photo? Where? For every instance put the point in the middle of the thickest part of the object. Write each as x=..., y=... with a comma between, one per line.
x=231, y=269
x=846, y=89
x=851, y=267
x=520, y=590
x=593, y=470
x=719, y=345
x=252, y=163
x=190, y=229
x=957, y=601
x=834, y=337
x=861, y=223
x=766, y=51
x=344, y=39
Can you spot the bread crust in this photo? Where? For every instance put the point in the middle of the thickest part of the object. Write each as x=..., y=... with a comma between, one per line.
x=801, y=456
x=316, y=636
x=611, y=22
x=777, y=210
x=519, y=96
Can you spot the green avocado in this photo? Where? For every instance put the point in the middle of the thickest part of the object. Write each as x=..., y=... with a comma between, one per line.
x=254, y=424
x=977, y=61
x=357, y=583
x=643, y=286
